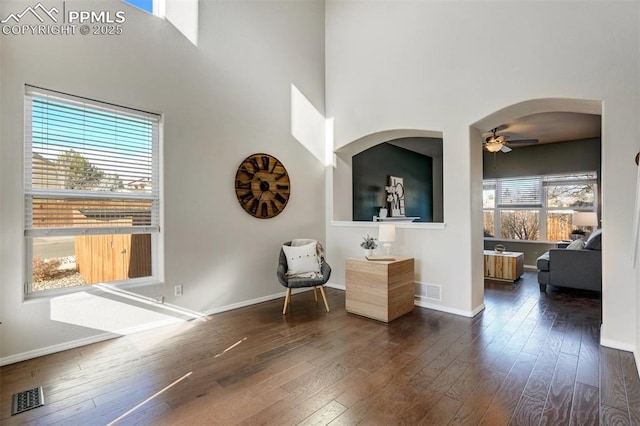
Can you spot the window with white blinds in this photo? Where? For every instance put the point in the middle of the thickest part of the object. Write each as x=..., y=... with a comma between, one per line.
x=537, y=207
x=521, y=193
x=90, y=167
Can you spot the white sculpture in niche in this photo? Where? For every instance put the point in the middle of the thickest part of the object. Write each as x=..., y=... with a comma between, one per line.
x=395, y=196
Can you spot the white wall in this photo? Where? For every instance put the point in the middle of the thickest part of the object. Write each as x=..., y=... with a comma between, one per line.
x=637, y=321
x=442, y=66
x=183, y=14
x=223, y=100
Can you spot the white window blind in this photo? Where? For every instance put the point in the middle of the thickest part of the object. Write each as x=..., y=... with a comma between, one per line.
x=523, y=193
x=90, y=167
x=571, y=179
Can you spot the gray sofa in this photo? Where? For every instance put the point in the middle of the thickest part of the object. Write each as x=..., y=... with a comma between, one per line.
x=580, y=269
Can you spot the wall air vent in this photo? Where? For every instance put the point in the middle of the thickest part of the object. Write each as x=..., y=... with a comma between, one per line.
x=433, y=292
x=429, y=291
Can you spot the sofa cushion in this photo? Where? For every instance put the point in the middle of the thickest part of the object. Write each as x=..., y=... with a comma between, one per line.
x=543, y=262
x=595, y=241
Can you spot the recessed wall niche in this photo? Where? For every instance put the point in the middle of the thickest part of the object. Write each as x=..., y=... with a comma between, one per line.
x=418, y=160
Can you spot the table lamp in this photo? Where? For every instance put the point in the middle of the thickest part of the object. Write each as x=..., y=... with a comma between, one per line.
x=582, y=219
x=387, y=235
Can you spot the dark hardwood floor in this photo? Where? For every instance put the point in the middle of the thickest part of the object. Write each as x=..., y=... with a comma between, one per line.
x=528, y=359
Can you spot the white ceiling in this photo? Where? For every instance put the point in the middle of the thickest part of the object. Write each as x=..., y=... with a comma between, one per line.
x=551, y=127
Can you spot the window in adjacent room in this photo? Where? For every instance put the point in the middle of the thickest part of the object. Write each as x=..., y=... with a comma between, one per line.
x=151, y=6
x=537, y=207
x=92, y=196
x=488, y=207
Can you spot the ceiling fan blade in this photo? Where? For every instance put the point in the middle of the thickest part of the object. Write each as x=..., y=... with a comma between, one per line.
x=505, y=149
x=523, y=141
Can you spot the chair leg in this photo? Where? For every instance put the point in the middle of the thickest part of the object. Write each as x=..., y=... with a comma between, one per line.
x=324, y=297
x=287, y=300
x=315, y=295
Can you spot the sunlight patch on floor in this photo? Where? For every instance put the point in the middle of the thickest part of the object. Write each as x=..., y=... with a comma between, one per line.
x=111, y=309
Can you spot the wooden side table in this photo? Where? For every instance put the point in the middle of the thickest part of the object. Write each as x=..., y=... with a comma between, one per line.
x=381, y=290
x=507, y=266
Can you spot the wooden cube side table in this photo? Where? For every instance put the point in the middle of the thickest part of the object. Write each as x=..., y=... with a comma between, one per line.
x=381, y=290
x=505, y=266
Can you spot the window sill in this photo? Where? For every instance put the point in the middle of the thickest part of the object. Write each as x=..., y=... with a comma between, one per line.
x=409, y=225
x=519, y=241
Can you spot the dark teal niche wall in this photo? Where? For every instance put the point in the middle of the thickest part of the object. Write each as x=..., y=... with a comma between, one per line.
x=371, y=169
x=544, y=159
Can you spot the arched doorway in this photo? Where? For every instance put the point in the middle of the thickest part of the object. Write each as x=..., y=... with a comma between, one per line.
x=554, y=111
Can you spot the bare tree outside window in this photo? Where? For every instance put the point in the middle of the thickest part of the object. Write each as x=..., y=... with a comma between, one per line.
x=520, y=224
x=571, y=195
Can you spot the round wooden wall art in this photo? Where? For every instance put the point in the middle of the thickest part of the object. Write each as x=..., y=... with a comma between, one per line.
x=262, y=186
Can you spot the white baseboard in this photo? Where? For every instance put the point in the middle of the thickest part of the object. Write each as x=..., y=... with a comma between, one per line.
x=56, y=348
x=419, y=301
x=337, y=286
x=106, y=336
x=255, y=301
x=614, y=344
x=622, y=347
x=423, y=303
x=48, y=350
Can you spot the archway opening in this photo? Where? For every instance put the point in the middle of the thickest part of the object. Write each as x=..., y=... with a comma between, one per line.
x=560, y=154
x=362, y=169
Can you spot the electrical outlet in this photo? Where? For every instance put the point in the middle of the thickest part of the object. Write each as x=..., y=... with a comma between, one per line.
x=177, y=290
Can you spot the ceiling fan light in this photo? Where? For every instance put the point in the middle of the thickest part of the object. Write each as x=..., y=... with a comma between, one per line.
x=493, y=146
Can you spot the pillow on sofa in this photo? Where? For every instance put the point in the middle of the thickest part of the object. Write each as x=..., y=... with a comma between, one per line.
x=595, y=241
x=302, y=259
x=576, y=245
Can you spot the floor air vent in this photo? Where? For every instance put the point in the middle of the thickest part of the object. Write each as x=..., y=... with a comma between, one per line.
x=26, y=400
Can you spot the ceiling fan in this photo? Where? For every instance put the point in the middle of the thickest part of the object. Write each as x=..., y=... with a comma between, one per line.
x=495, y=143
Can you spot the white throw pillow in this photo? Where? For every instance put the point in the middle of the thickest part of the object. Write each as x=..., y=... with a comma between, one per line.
x=302, y=242
x=302, y=259
x=576, y=244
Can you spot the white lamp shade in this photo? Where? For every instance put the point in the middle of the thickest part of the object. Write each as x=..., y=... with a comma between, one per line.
x=585, y=219
x=386, y=232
